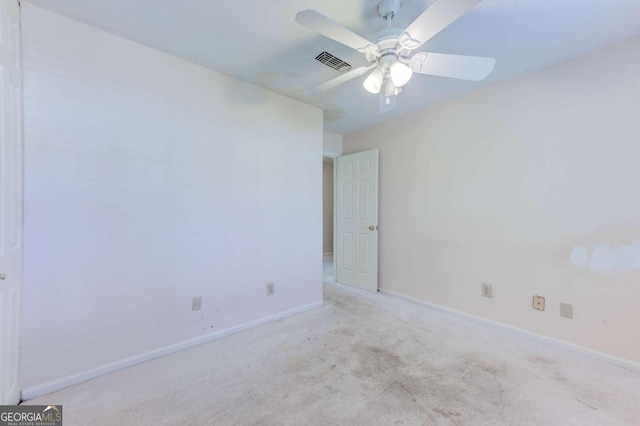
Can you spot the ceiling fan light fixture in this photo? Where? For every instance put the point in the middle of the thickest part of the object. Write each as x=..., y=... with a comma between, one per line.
x=373, y=83
x=400, y=74
x=390, y=89
x=391, y=54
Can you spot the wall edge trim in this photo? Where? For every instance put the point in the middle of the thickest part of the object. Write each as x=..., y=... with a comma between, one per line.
x=581, y=350
x=83, y=376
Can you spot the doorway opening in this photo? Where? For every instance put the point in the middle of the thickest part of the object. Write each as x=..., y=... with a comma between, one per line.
x=327, y=218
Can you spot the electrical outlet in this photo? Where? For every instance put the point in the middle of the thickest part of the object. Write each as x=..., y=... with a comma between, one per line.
x=487, y=290
x=566, y=310
x=271, y=289
x=196, y=305
x=538, y=303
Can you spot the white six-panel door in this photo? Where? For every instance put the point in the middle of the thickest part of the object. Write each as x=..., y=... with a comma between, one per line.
x=10, y=200
x=356, y=254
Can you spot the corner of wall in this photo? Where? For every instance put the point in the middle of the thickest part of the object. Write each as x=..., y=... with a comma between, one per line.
x=332, y=144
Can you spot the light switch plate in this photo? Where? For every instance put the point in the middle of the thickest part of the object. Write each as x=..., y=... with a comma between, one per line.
x=196, y=304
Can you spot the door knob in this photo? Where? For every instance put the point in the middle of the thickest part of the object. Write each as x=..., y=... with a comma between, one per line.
x=3, y=277
x=373, y=228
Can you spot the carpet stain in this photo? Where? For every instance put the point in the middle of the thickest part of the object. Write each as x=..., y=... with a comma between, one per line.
x=541, y=360
x=349, y=332
x=296, y=365
x=446, y=414
x=585, y=404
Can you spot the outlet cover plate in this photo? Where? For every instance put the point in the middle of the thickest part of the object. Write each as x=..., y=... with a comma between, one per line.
x=487, y=290
x=566, y=310
x=196, y=305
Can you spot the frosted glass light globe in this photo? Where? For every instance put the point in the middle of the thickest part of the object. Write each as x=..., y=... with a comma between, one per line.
x=400, y=74
x=373, y=83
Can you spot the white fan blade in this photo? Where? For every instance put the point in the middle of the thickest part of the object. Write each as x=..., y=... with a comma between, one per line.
x=357, y=72
x=463, y=67
x=319, y=23
x=436, y=18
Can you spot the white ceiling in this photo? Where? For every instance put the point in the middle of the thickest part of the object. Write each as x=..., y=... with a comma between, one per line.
x=258, y=41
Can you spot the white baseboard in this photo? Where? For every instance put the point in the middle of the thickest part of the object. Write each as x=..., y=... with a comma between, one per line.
x=620, y=362
x=39, y=390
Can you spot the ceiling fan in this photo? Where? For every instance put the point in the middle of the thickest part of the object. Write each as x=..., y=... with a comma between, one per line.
x=392, y=57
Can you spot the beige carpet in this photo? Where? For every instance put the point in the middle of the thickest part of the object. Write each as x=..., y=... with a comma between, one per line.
x=362, y=359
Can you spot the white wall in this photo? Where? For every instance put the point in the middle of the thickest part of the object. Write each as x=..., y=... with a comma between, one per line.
x=327, y=207
x=332, y=144
x=150, y=180
x=500, y=186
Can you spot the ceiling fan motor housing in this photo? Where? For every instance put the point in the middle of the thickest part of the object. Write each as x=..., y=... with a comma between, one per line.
x=387, y=46
x=388, y=9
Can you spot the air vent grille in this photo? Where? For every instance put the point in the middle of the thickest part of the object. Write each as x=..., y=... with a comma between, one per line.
x=331, y=61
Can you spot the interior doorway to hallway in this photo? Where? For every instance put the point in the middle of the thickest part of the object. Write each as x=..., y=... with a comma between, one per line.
x=327, y=217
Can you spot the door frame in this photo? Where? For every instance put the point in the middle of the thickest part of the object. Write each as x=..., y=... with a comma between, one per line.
x=335, y=217
x=13, y=270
